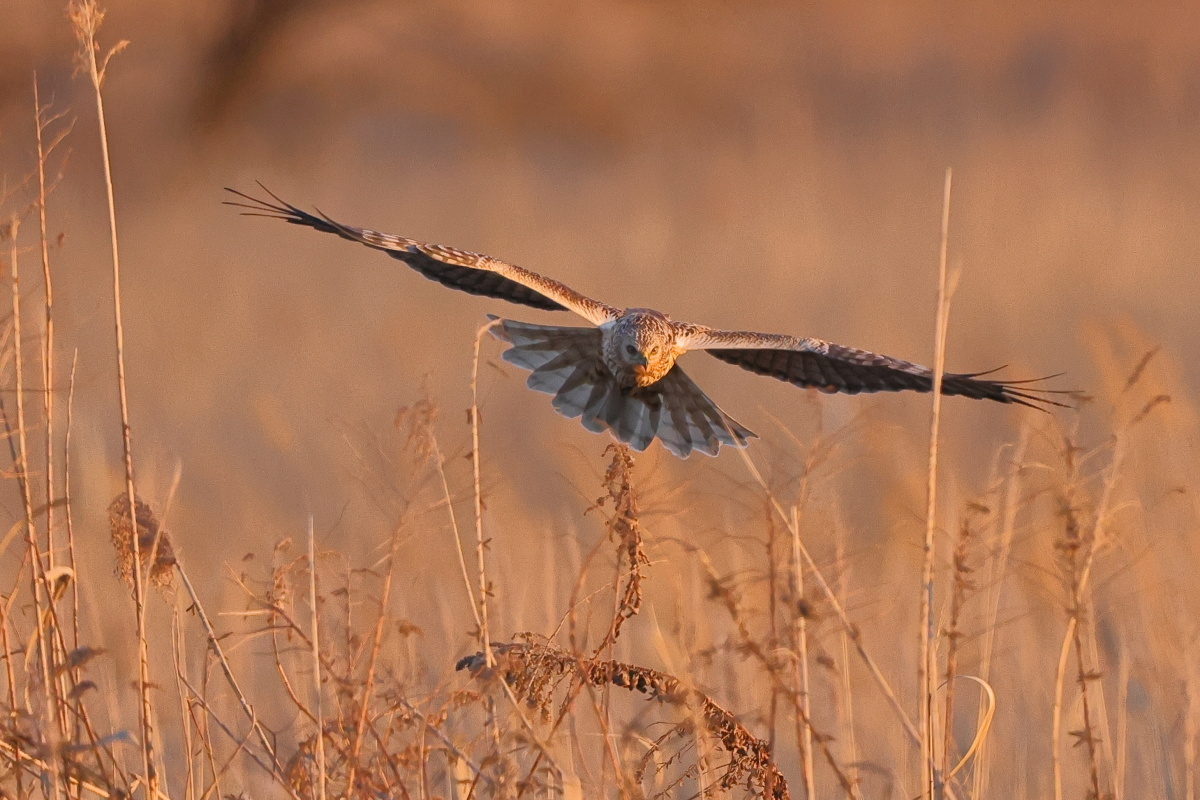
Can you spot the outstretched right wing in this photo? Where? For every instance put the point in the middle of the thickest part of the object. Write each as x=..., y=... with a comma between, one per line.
x=832, y=367
x=468, y=272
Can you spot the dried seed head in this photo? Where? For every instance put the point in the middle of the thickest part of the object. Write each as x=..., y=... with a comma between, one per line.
x=416, y=423
x=624, y=528
x=150, y=538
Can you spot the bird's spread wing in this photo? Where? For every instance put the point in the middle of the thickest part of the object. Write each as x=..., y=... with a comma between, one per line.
x=835, y=368
x=566, y=363
x=458, y=269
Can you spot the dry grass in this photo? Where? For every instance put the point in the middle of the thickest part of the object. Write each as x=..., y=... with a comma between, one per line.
x=765, y=643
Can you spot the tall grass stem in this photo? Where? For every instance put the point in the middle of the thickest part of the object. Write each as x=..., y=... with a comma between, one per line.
x=928, y=667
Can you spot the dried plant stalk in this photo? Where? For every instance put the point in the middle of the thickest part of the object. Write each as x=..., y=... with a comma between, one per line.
x=1078, y=548
x=962, y=585
x=214, y=644
x=480, y=543
x=623, y=526
x=853, y=632
x=315, y=649
x=720, y=590
x=40, y=589
x=927, y=669
x=531, y=671
x=86, y=17
x=800, y=665
x=48, y=341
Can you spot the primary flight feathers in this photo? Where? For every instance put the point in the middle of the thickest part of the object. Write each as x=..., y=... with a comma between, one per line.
x=621, y=375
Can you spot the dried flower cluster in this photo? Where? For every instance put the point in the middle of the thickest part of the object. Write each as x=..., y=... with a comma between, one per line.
x=623, y=526
x=154, y=544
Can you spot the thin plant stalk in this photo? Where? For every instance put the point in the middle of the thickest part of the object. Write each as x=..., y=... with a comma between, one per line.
x=480, y=547
x=376, y=642
x=179, y=656
x=1086, y=700
x=958, y=597
x=38, y=766
x=446, y=741
x=48, y=343
x=1080, y=579
x=772, y=618
x=853, y=633
x=210, y=713
x=87, y=18
x=41, y=122
x=719, y=591
x=458, y=548
x=316, y=658
x=801, y=662
x=1060, y=672
x=40, y=588
x=11, y=675
x=1107, y=735
x=850, y=759
x=70, y=522
x=480, y=543
x=214, y=644
x=852, y=630
x=996, y=590
x=928, y=667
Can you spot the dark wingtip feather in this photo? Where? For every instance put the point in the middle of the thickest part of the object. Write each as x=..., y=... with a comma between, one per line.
x=1016, y=392
x=259, y=205
x=281, y=209
x=345, y=231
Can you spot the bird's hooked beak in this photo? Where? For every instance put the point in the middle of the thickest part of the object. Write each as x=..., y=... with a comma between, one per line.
x=640, y=359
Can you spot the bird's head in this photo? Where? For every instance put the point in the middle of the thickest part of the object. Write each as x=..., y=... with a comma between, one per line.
x=635, y=352
x=640, y=346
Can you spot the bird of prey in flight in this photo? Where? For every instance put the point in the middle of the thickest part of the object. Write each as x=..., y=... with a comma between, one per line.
x=621, y=374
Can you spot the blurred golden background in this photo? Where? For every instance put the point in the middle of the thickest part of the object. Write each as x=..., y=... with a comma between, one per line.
x=765, y=165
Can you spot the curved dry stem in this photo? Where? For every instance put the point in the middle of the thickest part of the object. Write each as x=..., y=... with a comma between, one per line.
x=982, y=728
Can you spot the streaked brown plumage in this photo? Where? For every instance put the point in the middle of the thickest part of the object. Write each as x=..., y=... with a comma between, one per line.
x=621, y=375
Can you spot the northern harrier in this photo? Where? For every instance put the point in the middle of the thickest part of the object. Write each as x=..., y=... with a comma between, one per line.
x=621, y=374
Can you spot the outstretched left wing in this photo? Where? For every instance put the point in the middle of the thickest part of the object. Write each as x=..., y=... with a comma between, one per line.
x=459, y=269
x=834, y=368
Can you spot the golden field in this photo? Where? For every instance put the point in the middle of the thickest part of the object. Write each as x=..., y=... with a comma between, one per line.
x=761, y=165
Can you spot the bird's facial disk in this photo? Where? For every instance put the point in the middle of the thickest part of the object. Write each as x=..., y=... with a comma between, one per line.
x=631, y=353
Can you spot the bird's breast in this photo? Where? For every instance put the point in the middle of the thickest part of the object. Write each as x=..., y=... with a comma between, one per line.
x=632, y=376
x=653, y=372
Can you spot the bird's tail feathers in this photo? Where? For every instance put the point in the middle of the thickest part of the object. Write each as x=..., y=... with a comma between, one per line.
x=691, y=421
